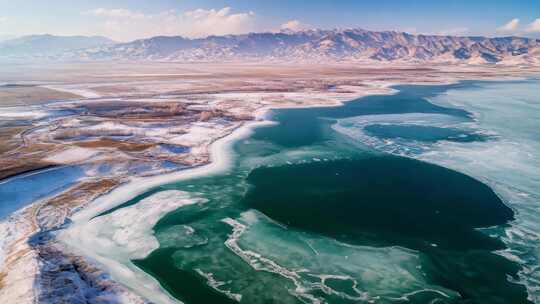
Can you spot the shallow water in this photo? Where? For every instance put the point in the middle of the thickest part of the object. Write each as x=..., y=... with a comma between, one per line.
x=421, y=133
x=319, y=209
x=19, y=191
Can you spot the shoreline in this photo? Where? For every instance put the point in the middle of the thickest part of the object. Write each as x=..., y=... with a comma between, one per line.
x=219, y=161
x=221, y=158
x=72, y=236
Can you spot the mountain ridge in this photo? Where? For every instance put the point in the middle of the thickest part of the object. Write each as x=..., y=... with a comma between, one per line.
x=49, y=45
x=327, y=45
x=317, y=45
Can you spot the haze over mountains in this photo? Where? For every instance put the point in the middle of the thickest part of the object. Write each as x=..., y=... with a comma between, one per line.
x=308, y=45
x=42, y=45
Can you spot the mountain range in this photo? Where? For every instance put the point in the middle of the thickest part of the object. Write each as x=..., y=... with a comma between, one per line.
x=48, y=45
x=354, y=45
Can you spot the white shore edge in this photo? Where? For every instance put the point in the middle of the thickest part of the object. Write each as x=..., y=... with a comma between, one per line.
x=220, y=158
x=131, y=276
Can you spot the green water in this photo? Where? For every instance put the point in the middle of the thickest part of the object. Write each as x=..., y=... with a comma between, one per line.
x=421, y=133
x=308, y=215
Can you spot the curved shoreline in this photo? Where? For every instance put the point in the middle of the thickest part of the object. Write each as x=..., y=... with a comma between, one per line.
x=221, y=158
x=72, y=236
x=219, y=161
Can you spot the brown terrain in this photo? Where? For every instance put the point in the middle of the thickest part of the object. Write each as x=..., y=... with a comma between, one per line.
x=23, y=95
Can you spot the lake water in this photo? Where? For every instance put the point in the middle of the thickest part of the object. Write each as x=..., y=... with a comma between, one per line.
x=429, y=195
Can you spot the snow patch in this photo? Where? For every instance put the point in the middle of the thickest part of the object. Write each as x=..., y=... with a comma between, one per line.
x=126, y=234
x=71, y=155
x=74, y=89
x=17, y=113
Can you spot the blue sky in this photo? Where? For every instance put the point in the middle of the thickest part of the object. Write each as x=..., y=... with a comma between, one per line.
x=130, y=19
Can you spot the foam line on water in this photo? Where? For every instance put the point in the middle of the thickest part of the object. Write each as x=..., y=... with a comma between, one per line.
x=372, y=273
x=260, y=263
x=217, y=285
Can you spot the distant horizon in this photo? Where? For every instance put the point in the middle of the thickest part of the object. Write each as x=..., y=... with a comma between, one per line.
x=128, y=20
x=285, y=31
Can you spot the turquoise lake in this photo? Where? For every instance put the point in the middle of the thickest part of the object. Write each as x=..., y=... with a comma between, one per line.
x=429, y=195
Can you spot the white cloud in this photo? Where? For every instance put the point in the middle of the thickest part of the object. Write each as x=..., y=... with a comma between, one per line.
x=203, y=22
x=510, y=26
x=3, y=19
x=293, y=25
x=123, y=24
x=453, y=31
x=534, y=27
x=115, y=13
